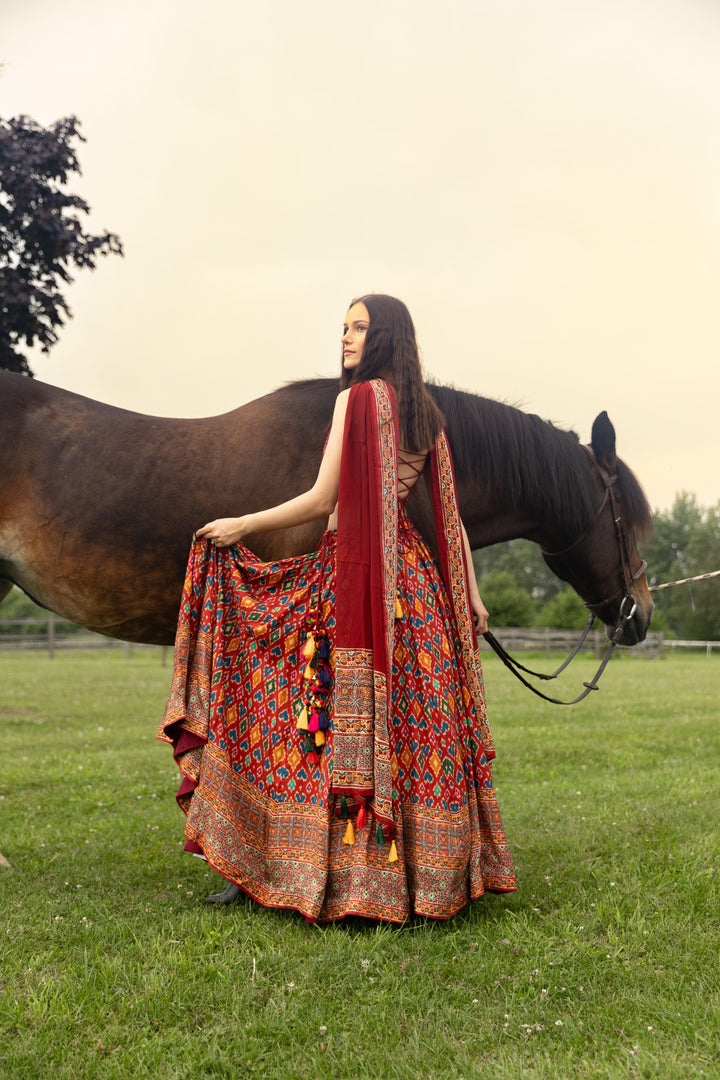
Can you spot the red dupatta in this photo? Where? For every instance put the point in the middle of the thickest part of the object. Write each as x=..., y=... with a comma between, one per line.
x=366, y=573
x=366, y=582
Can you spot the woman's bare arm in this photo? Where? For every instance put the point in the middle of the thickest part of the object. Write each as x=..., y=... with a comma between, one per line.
x=479, y=609
x=318, y=501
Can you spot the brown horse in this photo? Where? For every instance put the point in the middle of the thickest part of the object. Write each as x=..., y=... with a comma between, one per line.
x=98, y=505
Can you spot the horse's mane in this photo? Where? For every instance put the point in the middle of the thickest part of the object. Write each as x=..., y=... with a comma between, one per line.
x=537, y=465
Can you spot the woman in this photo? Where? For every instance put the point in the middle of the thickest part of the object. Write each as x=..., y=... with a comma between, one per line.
x=327, y=710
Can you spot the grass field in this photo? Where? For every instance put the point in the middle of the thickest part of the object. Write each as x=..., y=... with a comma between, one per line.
x=604, y=964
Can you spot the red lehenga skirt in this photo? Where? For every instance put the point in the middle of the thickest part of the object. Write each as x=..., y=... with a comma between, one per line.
x=261, y=813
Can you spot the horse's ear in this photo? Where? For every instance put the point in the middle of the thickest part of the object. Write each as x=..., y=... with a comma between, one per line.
x=603, y=442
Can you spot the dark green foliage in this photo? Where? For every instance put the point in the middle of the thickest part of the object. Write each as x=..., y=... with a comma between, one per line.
x=686, y=543
x=515, y=582
x=507, y=602
x=17, y=605
x=565, y=612
x=523, y=560
x=41, y=234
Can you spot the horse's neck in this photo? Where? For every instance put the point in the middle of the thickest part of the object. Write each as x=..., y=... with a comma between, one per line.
x=489, y=518
x=492, y=514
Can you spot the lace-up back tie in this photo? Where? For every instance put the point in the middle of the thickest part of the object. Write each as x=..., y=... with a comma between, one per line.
x=410, y=465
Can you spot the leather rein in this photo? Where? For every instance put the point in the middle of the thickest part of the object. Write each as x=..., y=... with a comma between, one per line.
x=628, y=605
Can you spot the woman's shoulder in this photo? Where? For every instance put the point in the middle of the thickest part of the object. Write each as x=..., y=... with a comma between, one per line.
x=364, y=391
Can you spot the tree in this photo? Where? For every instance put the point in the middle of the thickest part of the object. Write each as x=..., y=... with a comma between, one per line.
x=686, y=542
x=524, y=561
x=41, y=234
x=565, y=612
x=508, y=603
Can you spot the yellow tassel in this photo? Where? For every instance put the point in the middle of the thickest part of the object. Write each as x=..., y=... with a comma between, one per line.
x=302, y=720
x=309, y=649
x=319, y=738
x=393, y=856
x=309, y=671
x=349, y=837
x=398, y=608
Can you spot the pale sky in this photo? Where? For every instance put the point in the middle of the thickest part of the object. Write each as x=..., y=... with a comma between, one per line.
x=539, y=180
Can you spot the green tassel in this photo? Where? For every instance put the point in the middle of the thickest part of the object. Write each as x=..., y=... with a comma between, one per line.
x=343, y=807
x=379, y=838
x=309, y=745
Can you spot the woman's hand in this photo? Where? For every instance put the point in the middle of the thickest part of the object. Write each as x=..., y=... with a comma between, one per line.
x=225, y=531
x=481, y=614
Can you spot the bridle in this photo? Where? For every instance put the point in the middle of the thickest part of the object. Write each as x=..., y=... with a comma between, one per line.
x=627, y=576
x=628, y=606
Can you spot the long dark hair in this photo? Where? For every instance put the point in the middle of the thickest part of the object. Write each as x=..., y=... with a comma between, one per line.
x=390, y=352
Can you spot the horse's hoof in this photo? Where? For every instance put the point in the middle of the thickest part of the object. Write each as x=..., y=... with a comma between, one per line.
x=229, y=895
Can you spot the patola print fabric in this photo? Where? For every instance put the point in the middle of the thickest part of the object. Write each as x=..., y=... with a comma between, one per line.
x=380, y=804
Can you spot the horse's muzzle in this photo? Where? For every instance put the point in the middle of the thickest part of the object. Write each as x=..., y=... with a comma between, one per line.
x=635, y=628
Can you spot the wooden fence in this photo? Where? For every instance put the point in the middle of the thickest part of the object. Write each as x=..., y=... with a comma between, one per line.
x=53, y=634
x=548, y=640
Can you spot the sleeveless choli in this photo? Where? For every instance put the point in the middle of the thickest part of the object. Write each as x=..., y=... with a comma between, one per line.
x=260, y=811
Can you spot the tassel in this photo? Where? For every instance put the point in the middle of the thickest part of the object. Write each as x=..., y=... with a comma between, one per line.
x=361, y=818
x=309, y=670
x=349, y=837
x=324, y=651
x=398, y=608
x=379, y=838
x=343, y=807
x=322, y=720
x=324, y=676
x=314, y=722
x=308, y=744
x=393, y=856
x=312, y=758
x=302, y=720
x=309, y=649
x=319, y=738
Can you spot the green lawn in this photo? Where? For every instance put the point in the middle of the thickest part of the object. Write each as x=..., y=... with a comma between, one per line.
x=605, y=963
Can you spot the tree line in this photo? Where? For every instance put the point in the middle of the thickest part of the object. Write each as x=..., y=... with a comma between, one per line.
x=519, y=590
